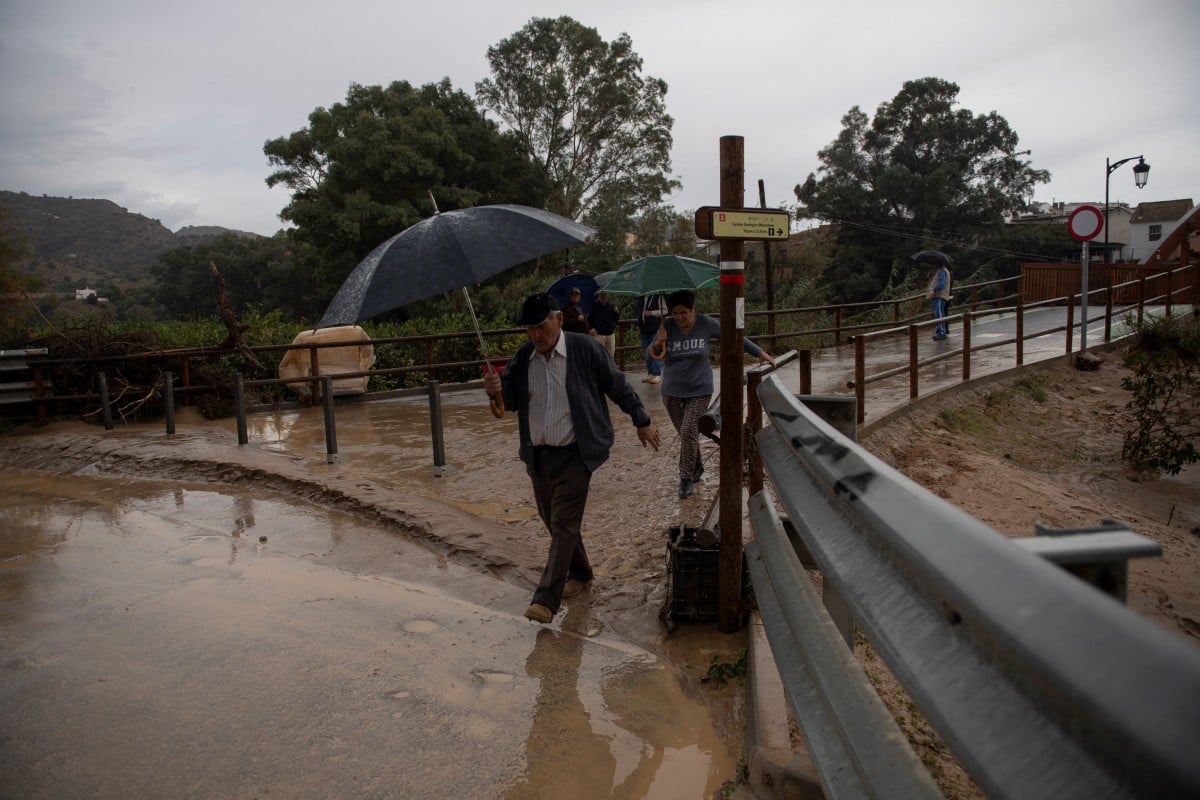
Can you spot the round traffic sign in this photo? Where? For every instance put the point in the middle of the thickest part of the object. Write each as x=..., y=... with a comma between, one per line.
x=1085, y=223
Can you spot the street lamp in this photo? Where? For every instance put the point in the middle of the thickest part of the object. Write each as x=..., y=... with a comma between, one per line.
x=1141, y=171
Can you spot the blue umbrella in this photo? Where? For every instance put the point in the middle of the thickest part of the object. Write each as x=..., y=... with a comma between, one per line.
x=586, y=284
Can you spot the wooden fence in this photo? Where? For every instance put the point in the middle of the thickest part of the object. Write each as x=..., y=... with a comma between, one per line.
x=1049, y=281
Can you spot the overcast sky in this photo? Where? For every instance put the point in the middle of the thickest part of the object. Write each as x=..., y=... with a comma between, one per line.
x=163, y=106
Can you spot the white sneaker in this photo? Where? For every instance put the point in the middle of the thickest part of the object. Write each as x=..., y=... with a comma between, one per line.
x=654, y=379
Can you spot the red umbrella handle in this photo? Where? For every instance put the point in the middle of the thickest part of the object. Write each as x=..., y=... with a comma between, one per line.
x=497, y=405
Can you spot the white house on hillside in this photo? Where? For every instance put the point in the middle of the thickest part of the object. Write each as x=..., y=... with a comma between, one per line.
x=1153, y=222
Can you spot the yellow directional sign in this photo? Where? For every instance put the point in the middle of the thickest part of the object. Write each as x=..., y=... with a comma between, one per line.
x=740, y=223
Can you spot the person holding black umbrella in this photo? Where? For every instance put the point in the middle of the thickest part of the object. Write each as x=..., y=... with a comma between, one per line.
x=939, y=293
x=557, y=383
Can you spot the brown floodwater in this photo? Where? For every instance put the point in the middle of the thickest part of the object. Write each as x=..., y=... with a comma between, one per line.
x=175, y=638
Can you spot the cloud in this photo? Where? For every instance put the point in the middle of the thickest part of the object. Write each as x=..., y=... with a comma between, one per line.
x=169, y=103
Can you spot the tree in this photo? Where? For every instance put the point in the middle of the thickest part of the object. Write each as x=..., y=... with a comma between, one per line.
x=268, y=273
x=921, y=173
x=362, y=170
x=596, y=130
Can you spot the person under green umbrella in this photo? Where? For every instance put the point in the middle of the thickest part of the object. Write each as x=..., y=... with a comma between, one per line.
x=687, y=387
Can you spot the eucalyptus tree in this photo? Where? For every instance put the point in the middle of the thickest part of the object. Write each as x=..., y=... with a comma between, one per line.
x=595, y=128
x=920, y=173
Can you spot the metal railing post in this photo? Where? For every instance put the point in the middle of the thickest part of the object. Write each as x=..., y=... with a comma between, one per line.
x=331, y=451
x=440, y=469
x=105, y=408
x=239, y=404
x=169, y=402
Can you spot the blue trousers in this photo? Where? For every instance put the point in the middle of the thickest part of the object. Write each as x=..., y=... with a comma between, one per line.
x=653, y=366
x=939, y=312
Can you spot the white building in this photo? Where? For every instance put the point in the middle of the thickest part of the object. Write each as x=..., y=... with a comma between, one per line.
x=1153, y=222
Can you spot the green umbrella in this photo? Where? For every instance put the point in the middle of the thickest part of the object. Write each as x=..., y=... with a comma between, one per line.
x=662, y=275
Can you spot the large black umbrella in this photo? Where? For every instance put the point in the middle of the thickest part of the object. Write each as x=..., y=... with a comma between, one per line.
x=449, y=251
x=935, y=257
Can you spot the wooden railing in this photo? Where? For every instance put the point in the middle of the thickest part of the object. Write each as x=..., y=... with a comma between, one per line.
x=1166, y=289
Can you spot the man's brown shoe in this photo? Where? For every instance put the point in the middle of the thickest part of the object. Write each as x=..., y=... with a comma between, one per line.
x=539, y=613
x=573, y=586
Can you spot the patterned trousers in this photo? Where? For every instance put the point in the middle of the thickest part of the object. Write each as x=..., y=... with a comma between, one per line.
x=685, y=413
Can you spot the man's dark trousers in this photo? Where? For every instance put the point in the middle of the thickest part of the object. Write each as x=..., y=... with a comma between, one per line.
x=560, y=488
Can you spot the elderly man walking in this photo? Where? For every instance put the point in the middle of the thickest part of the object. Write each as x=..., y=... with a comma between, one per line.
x=557, y=383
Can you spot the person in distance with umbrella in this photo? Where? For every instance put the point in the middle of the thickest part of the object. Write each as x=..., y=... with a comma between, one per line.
x=557, y=383
x=939, y=294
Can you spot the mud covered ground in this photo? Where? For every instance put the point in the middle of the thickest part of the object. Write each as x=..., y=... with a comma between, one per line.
x=1045, y=447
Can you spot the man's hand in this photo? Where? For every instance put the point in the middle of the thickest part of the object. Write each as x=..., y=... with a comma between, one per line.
x=648, y=435
x=491, y=383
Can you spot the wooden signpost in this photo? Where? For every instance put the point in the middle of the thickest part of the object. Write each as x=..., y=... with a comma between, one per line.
x=732, y=225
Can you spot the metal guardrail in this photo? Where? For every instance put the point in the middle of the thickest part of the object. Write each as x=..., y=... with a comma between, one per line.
x=1041, y=685
x=16, y=363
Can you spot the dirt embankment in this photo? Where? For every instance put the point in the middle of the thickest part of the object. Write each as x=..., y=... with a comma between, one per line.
x=1044, y=447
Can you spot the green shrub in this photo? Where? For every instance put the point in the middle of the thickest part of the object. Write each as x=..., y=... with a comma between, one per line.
x=1165, y=409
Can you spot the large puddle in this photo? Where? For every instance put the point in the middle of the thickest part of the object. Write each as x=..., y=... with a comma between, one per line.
x=174, y=639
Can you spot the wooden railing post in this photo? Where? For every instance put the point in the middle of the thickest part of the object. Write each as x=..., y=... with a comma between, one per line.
x=1020, y=329
x=913, y=359
x=1141, y=296
x=1070, y=324
x=966, y=345
x=1108, y=309
x=860, y=377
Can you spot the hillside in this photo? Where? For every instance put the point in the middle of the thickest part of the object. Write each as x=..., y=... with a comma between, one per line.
x=73, y=243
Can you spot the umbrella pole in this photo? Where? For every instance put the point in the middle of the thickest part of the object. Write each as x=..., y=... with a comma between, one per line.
x=496, y=403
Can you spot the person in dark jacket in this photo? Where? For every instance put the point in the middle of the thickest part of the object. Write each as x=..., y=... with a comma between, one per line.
x=604, y=318
x=573, y=315
x=557, y=383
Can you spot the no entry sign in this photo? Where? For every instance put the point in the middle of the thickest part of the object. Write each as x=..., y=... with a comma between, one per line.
x=1085, y=223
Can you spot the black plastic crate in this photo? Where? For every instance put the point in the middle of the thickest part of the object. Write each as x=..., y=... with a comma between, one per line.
x=692, y=577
